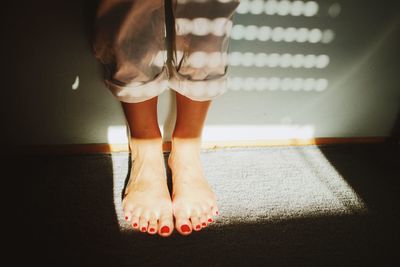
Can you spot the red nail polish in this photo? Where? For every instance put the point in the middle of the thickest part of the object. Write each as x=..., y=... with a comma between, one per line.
x=198, y=226
x=126, y=218
x=143, y=229
x=135, y=225
x=210, y=220
x=152, y=230
x=185, y=228
x=164, y=229
x=204, y=224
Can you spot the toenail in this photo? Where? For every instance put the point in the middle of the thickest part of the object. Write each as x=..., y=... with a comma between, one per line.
x=143, y=229
x=126, y=218
x=198, y=226
x=152, y=230
x=135, y=225
x=204, y=224
x=185, y=228
x=165, y=229
x=210, y=220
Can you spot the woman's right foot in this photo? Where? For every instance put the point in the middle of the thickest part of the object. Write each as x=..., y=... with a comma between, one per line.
x=147, y=203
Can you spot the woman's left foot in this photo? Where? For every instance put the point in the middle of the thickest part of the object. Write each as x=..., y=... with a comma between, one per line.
x=194, y=203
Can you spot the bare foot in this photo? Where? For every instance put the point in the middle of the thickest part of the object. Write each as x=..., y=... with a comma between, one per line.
x=194, y=203
x=147, y=203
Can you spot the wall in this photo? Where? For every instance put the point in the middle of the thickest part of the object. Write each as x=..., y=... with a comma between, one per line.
x=355, y=94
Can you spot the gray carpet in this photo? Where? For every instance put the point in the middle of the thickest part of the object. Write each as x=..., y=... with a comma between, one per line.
x=280, y=206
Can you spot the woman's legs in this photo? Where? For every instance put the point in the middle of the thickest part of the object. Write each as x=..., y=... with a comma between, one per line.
x=194, y=203
x=191, y=116
x=147, y=203
x=142, y=119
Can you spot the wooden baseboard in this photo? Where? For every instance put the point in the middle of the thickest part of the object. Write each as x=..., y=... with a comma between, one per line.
x=108, y=148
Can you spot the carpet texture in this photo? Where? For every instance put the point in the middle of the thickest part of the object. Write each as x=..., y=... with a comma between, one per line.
x=280, y=206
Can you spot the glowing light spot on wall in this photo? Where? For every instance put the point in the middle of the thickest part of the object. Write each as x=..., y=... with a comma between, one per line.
x=284, y=8
x=310, y=9
x=264, y=33
x=243, y=7
x=327, y=36
x=334, y=10
x=238, y=31
x=285, y=60
x=251, y=32
x=297, y=8
x=277, y=34
x=302, y=35
x=256, y=7
x=309, y=61
x=273, y=60
x=277, y=83
x=75, y=85
x=290, y=35
x=322, y=61
x=314, y=36
x=321, y=85
x=271, y=7
x=249, y=59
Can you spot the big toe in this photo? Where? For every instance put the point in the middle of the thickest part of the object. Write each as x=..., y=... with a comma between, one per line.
x=182, y=223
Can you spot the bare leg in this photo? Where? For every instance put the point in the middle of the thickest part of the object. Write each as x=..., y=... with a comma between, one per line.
x=147, y=204
x=142, y=119
x=194, y=203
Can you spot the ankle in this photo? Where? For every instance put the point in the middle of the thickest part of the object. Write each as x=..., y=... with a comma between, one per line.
x=145, y=148
x=184, y=150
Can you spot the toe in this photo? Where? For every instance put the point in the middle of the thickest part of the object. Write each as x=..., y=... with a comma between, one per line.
x=153, y=227
x=203, y=220
x=209, y=219
x=166, y=224
x=182, y=222
x=196, y=225
x=214, y=210
x=143, y=224
x=184, y=227
x=127, y=217
x=135, y=222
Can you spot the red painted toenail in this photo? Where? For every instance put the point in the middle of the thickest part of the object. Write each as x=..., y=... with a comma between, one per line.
x=135, y=225
x=198, y=226
x=164, y=229
x=210, y=220
x=185, y=228
x=152, y=230
x=204, y=224
x=126, y=218
x=143, y=229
